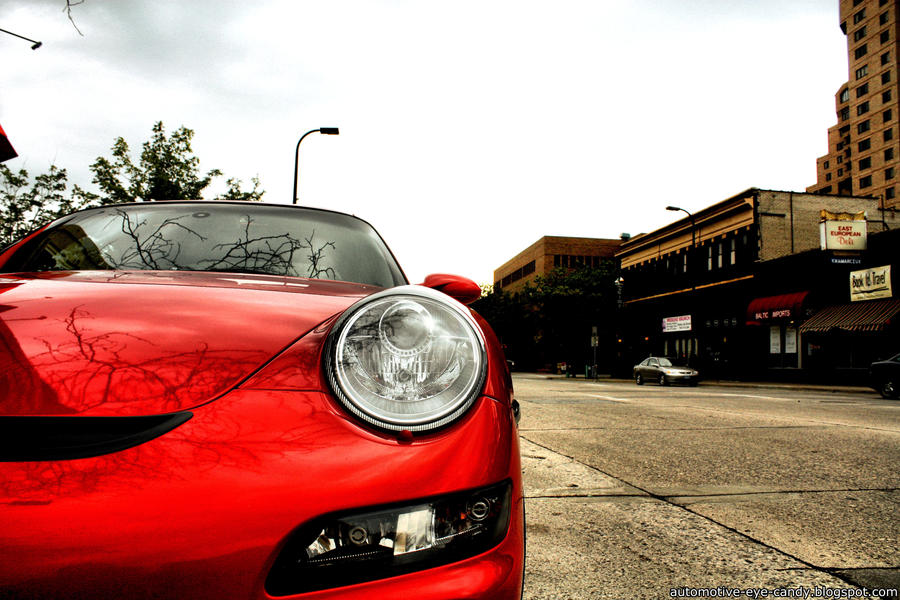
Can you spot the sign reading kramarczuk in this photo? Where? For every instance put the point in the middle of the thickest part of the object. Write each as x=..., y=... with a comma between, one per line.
x=870, y=284
x=842, y=231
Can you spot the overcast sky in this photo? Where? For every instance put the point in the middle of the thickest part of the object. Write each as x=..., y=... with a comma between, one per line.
x=469, y=129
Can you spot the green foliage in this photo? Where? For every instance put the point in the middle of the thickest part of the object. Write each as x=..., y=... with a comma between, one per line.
x=550, y=320
x=167, y=170
x=27, y=204
x=234, y=191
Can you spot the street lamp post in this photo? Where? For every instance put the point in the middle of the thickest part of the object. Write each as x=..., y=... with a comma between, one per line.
x=323, y=131
x=693, y=239
x=34, y=43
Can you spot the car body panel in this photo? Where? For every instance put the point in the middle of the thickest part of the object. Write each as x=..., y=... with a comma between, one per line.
x=139, y=343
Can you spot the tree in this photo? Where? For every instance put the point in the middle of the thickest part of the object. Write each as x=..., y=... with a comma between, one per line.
x=26, y=205
x=550, y=320
x=167, y=170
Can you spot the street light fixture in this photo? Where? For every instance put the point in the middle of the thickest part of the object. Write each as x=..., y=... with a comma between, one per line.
x=693, y=239
x=34, y=43
x=323, y=131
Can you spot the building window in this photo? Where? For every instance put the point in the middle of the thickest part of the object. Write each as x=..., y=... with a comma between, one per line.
x=865, y=182
x=883, y=18
x=889, y=154
x=888, y=115
x=840, y=159
x=844, y=130
x=882, y=2
x=825, y=165
x=840, y=172
x=888, y=134
x=862, y=71
x=862, y=108
x=863, y=127
x=845, y=94
x=885, y=96
x=709, y=257
x=720, y=251
x=886, y=77
x=885, y=58
x=827, y=176
x=857, y=2
x=859, y=16
x=844, y=113
x=864, y=145
x=889, y=173
x=889, y=193
x=860, y=52
x=865, y=163
x=885, y=36
x=860, y=33
x=862, y=90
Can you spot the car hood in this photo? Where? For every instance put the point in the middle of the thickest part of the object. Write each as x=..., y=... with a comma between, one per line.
x=141, y=343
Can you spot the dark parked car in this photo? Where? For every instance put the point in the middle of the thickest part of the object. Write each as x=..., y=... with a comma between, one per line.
x=661, y=370
x=884, y=376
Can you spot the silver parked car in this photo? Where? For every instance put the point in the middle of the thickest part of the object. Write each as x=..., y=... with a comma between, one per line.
x=661, y=370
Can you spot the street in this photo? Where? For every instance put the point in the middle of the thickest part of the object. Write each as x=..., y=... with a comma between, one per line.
x=658, y=492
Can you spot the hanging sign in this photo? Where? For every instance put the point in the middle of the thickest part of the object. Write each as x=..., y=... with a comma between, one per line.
x=842, y=231
x=870, y=284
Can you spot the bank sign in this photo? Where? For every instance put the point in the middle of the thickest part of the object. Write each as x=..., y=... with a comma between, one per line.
x=870, y=284
x=842, y=231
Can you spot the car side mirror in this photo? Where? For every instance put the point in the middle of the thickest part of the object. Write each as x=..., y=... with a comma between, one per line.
x=459, y=288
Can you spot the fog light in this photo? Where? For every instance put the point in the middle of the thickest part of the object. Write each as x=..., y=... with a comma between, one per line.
x=362, y=546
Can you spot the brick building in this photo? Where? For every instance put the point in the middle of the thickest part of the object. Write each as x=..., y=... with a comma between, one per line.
x=863, y=154
x=731, y=287
x=551, y=252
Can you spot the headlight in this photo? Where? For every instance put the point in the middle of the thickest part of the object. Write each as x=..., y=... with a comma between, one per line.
x=349, y=548
x=406, y=358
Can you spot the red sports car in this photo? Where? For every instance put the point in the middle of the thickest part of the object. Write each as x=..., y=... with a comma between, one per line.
x=240, y=400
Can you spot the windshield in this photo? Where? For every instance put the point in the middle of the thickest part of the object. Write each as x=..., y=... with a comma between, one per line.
x=665, y=362
x=234, y=238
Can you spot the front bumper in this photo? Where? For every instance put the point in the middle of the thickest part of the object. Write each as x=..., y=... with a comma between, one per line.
x=203, y=511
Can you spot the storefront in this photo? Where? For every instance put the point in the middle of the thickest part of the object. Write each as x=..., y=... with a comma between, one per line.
x=773, y=328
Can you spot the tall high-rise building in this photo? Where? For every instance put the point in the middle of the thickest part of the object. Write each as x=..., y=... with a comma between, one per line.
x=863, y=155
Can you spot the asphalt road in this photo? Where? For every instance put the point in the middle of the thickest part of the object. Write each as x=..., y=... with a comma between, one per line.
x=661, y=492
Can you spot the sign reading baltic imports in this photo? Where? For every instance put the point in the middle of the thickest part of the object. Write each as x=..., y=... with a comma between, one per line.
x=682, y=323
x=870, y=284
x=842, y=231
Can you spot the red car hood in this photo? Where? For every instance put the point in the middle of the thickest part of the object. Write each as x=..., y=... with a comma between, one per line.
x=140, y=343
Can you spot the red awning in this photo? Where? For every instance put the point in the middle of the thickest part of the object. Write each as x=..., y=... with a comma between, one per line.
x=772, y=308
x=869, y=315
x=6, y=150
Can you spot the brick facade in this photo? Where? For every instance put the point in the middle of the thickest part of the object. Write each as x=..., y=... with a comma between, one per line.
x=551, y=252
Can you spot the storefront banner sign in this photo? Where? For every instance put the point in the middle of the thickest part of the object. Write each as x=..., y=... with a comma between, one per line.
x=842, y=231
x=870, y=284
x=682, y=323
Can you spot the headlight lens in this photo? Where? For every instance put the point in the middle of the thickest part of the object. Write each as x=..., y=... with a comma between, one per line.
x=407, y=358
x=366, y=545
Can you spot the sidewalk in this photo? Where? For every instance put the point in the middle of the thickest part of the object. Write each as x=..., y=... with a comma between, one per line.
x=775, y=385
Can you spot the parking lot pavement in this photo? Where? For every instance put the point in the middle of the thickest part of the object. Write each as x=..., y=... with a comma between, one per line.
x=639, y=492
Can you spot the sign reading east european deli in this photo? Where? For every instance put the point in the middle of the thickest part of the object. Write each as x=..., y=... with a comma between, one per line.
x=870, y=284
x=682, y=323
x=842, y=231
